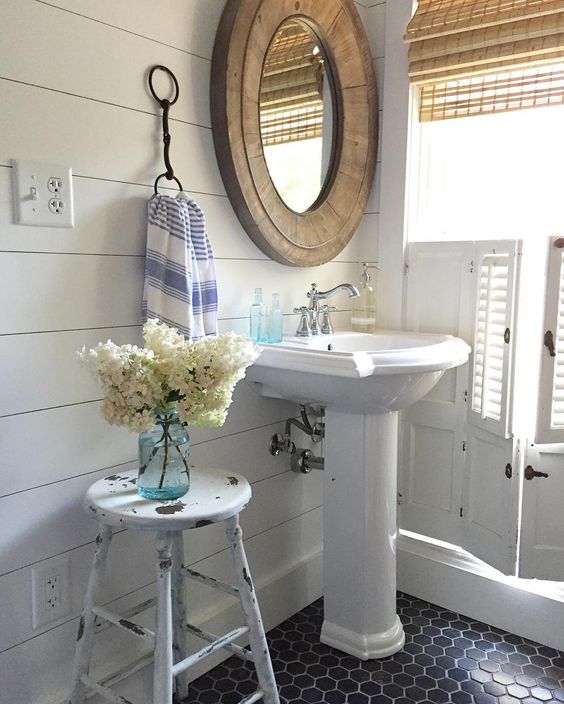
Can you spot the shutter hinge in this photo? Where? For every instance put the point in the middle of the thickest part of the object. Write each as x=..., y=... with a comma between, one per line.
x=466, y=396
x=464, y=446
x=399, y=498
x=471, y=266
x=507, y=336
x=508, y=470
x=461, y=512
x=406, y=268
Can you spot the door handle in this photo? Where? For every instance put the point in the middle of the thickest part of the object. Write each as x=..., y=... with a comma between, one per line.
x=531, y=473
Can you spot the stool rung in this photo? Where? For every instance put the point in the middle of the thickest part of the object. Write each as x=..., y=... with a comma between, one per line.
x=220, y=643
x=105, y=692
x=210, y=581
x=237, y=650
x=254, y=697
x=117, y=620
x=128, y=613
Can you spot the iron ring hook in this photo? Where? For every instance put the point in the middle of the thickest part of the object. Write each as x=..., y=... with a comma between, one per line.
x=172, y=76
x=169, y=178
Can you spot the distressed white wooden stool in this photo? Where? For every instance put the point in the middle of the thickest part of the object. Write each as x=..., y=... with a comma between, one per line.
x=214, y=496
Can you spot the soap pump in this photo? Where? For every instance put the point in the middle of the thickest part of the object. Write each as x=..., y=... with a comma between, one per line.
x=364, y=307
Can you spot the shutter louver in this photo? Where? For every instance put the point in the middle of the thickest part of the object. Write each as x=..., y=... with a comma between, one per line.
x=489, y=347
x=550, y=422
x=496, y=272
x=557, y=410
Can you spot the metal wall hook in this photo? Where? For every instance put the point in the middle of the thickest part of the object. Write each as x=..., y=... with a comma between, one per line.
x=165, y=104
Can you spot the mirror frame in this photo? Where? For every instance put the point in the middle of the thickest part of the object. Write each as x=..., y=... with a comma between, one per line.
x=244, y=35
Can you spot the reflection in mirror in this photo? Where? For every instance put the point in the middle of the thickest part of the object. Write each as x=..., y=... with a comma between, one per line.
x=296, y=116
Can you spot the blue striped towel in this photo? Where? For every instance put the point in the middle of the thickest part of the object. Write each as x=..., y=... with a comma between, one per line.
x=180, y=285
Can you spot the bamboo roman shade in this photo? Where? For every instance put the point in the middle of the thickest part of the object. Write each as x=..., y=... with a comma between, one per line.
x=485, y=56
x=291, y=90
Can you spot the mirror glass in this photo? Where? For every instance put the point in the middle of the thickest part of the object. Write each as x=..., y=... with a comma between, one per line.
x=296, y=114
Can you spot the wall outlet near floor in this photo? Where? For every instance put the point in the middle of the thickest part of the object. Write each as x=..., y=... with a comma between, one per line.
x=42, y=194
x=50, y=591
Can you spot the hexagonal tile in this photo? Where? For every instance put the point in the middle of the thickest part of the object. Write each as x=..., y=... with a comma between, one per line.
x=447, y=658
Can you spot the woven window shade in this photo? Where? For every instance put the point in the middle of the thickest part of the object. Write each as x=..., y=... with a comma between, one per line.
x=482, y=56
x=291, y=90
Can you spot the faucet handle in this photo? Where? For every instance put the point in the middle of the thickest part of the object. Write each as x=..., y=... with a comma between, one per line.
x=326, y=327
x=304, y=327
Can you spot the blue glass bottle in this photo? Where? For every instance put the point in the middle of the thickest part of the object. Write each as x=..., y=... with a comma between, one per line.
x=258, y=327
x=163, y=458
x=275, y=320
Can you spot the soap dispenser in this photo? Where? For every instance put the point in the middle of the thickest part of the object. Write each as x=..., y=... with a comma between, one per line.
x=364, y=306
x=258, y=318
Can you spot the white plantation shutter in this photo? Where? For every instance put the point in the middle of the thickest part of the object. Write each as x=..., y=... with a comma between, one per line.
x=550, y=424
x=492, y=350
x=457, y=481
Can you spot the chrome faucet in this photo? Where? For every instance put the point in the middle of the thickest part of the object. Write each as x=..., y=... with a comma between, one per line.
x=310, y=323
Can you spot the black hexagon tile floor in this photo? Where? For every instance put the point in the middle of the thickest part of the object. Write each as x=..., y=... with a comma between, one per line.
x=447, y=658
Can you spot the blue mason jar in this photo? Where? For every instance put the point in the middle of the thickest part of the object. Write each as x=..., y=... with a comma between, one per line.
x=163, y=458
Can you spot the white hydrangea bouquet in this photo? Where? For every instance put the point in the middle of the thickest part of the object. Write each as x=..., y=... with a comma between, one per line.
x=196, y=377
x=159, y=389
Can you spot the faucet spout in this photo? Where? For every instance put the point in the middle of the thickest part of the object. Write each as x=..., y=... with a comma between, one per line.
x=352, y=291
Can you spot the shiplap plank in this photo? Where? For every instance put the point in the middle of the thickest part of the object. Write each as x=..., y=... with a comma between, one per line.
x=69, y=38
x=50, y=520
x=91, y=291
x=292, y=283
x=375, y=27
x=373, y=205
x=63, y=292
x=187, y=25
x=49, y=654
x=111, y=218
x=44, y=371
x=101, y=140
x=363, y=247
x=131, y=567
x=65, y=442
x=76, y=440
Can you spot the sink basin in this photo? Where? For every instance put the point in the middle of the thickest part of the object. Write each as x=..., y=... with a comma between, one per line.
x=356, y=372
x=361, y=380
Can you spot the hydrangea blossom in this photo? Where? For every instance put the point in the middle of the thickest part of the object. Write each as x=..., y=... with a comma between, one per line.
x=196, y=377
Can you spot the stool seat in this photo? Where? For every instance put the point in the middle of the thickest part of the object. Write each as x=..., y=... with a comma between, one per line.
x=214, y=495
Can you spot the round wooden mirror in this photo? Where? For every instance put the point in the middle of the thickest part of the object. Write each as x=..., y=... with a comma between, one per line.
x=312, y=227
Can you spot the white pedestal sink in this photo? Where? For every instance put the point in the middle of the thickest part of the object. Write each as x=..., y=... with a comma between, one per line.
x=362, y=381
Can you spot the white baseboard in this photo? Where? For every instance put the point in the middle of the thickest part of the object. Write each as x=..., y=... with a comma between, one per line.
x=455, y=580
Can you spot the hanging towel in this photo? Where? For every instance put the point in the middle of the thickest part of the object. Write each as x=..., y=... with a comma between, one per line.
x=180, y=285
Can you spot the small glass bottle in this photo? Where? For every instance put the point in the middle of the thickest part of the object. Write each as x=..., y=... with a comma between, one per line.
x=258, y=322
x=275, y=320
x=364, y=307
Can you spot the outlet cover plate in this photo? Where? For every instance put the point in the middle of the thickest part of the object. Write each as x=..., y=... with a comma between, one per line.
x=50, y=603
x=42, y=194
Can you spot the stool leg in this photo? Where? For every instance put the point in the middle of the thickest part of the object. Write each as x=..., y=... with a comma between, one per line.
x=85, y=638
x=179, y=612
x=249, y=603
x=162, y=672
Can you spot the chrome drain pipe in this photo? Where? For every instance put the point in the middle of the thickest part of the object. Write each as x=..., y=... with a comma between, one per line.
x=303, y=461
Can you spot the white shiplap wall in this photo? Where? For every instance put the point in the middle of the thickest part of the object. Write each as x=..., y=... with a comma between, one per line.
x=72, y=84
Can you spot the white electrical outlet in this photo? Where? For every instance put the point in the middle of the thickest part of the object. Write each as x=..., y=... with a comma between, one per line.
x=42, y=194
x=50, y=589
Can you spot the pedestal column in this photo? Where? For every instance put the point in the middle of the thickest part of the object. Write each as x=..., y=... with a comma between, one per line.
x=360, y=534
